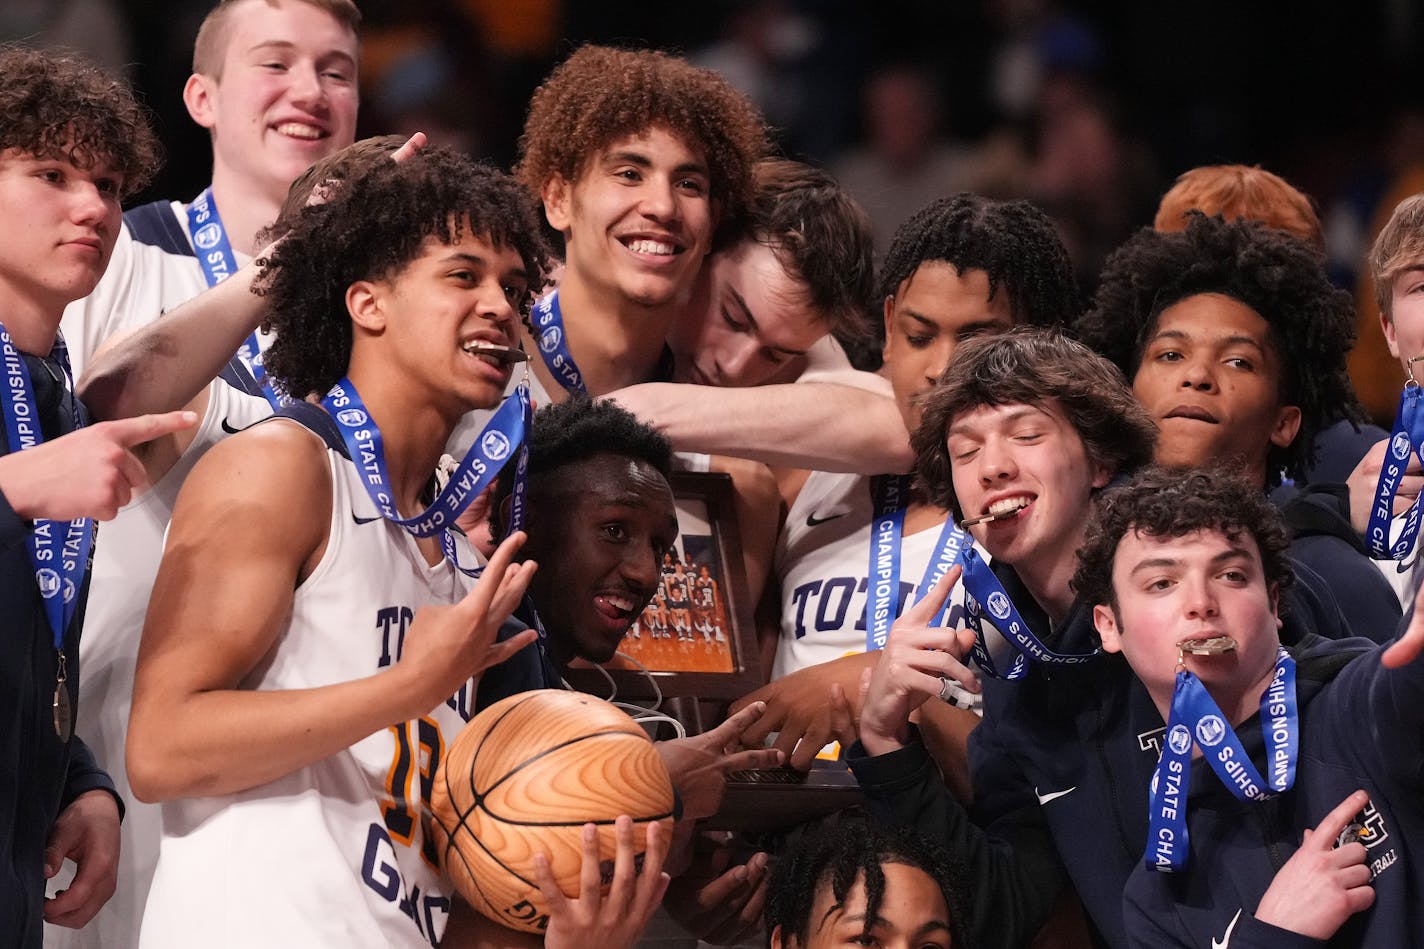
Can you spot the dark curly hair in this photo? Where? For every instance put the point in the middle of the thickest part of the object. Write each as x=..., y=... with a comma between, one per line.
x=59, y=106
x=836, y=856
x=820, y=235
x=334, y=168
x=600, y=95
x=1172, y=503
x=1312, y=324
x=1012, y=241
x=566, y=433
x=1029, y=366
x=369, y=229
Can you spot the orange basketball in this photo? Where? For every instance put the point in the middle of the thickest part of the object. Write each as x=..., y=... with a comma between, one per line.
x=523, y=777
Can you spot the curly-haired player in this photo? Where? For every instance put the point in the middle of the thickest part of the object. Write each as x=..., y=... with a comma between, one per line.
x=291, y=658
x=73, y=142
x=858, y=881
x=637, y=157
x=1173, y=558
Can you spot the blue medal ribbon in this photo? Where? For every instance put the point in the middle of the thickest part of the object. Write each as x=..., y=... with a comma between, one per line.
x=890, y=494
x=59, y=565
x=1407, y=440
x=1196, y=719
x=983, y=592
x=501, y=438
x=216, y=257
x=552, y=337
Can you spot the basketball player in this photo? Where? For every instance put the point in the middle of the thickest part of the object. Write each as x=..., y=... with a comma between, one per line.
x=679, y=603
x=274, y=82
x=73, y=144
x=961, y=267
x=278, y=653
x=866, y=884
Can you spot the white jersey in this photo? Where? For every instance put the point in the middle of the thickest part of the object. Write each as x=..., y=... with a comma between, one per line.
x=153, y=270
x=334, y=854
x=823, y=565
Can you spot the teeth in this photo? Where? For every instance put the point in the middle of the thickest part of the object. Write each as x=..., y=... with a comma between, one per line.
x=624, y=603
x=300, y=130
x=475, y=345
x=1008, y=505
x=657, y=248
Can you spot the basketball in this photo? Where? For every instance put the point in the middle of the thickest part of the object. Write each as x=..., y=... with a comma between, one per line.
x=523, y=777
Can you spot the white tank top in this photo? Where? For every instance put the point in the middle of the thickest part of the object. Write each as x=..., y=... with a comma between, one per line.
x=332, y=854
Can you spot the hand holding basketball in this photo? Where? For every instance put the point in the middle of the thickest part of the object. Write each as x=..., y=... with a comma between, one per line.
x=619, y=918
x=447, y=645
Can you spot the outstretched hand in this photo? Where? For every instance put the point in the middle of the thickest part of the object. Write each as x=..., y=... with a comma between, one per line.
x=1321, y=885
x=699, y=765
x=447, y=645
x=796, y=708
x=619, y=918
x=915, y=658
x=91, y=472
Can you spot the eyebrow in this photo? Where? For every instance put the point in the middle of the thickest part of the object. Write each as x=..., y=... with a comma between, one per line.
x=1233, y=340
x=751, y=318
x=1009, y=418
x=1226, y=556
x=463, y=257
x=643, y=161
x=285, y=45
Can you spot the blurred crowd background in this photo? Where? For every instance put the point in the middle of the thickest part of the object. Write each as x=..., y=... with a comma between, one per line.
x=1091, y=109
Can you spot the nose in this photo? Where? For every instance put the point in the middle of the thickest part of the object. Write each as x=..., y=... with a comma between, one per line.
x=1197, y=374
x=1199, y=599
x=642, y=566
x=90, y=204
x=736, y=360
x=307, y=89
x=658, y=200
x=937, y=359
x=996, y=462
x=493, y=304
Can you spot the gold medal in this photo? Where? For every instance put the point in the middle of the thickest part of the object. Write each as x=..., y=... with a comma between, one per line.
x=1213, y=646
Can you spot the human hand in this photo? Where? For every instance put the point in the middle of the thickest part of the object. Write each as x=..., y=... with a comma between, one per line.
x=796, y=707
x=91, y=472
x=412, y=147
x=615, y=920
x=715, y=902
x=699, y=765
x=1321, y=885
x=446, y=645
x=1363, y=482
x=1410, y=643
x=915, y=658
x=87, y=832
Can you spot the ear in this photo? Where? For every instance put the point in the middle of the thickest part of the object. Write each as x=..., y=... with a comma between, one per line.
x=1286, y=427
x=1102, y=474
x=1105, y=621
x=365, y=301
x=1275, y=592
x=1390, y=339
x=558, y=203
x=889, y=308
x=776, y=941
x=198, y=97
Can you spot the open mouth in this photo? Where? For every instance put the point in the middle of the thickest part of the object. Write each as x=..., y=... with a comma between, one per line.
x=302, y=130
x=1000, y=509
x=651, y=247
x=618, y=607
x=494, y=353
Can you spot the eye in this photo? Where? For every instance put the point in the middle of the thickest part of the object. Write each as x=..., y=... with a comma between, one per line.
x=693, y=186
x=274, y=66
x=962, y=453
x=107, y=186
x=615, y=531
x=918, y=341
x=52, y=175
x=731, y=322
x=336, y=75
x=630, y=175
x=1159, y=585
x=461, y=276
x=773, y=357
x=1234, y=576
x=1168, y=355
x=514, y=292
x=1028, y=438
x=1241, y=362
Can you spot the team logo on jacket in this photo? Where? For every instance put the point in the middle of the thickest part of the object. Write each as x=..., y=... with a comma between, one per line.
x=495, y=446
x=998, y=605
x=1179, y=739
x=1367, y=828
x=1399, y=446
x=351, y=417
x=1210, y=730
